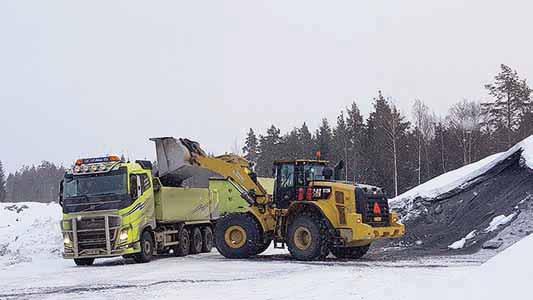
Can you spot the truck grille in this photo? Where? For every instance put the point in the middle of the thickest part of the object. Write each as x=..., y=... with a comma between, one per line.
x=90, y=234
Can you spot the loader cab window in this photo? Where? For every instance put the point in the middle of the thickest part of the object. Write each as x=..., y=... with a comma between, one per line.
x=285, y=188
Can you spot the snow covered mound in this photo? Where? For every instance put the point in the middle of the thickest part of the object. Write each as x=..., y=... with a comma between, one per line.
x=484, y=205
x=29, y=231
x=462, y=176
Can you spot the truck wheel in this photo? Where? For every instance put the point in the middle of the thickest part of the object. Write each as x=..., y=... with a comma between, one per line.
x=350, y=252
x=184, y=243
x=237, y=235
x=83, y=261
x=207, y=239
x=147, y=248
x=196, y=241
x=307, y=237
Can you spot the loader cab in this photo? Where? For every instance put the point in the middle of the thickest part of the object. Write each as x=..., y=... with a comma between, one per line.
x=293, y=176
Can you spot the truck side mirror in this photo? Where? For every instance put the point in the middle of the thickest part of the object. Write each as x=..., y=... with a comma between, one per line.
x=60, y=196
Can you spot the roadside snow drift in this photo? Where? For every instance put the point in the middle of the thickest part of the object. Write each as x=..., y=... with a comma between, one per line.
x=487, y=204
x=29, y=231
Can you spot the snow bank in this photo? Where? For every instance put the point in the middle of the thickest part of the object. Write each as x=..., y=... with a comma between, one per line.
x=29, y=231
x=499, y=220
x=508, y=275
x=456, y=178
x=461, y=243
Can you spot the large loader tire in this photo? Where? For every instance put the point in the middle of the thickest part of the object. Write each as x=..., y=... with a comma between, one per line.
x=184, y=243
x=147, y=248
x=196, y=241
x=83, y=261
x=207, y=239
x=350, y=252
x=238, y=235
x=307, y=237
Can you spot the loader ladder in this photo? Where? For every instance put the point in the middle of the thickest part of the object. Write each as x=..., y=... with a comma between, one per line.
x=279, y=229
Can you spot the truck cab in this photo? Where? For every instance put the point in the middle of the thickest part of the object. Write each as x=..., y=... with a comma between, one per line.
x=107, y=203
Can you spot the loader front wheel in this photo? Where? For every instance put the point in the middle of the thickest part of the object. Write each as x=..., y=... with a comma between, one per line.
x=350, y=252
x=307, y=238
x=238, y=236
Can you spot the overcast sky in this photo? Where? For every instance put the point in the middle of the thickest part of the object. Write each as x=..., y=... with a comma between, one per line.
x=85, y=78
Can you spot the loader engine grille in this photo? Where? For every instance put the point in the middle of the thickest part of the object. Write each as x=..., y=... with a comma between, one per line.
x=373, y=205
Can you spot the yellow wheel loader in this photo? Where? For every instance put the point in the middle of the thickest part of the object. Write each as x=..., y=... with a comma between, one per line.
x=310, y=211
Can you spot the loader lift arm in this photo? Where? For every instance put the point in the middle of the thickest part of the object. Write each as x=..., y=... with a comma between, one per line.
x=178, y=156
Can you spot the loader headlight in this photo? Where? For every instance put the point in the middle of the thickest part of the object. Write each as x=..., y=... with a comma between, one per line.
x=123, y=236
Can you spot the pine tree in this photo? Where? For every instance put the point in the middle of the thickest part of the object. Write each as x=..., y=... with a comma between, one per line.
x=355, y=164
x=269, y=151
x=324, y=138
x=305, y=142
x=250, y=148
x=2, y=183
x=512, y=99
x=341, y=143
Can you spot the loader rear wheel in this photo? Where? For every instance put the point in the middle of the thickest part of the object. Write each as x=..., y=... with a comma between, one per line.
x=196, y=241
x=147, y=248
x=184, y=243
x=307, y=237
x=207, y=239
x=238, y=235
x=350, y=252
x=83, y=261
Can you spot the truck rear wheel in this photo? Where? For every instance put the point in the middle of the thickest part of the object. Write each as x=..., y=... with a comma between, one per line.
x=196, y=241
x=238, y=235
x=183, y=246
x=83, y=261
x=350, y=252
x=207, y=239
x=147, y=248
x=307, y=237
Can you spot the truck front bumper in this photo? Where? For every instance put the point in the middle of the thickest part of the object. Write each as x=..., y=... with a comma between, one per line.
x=94, y=236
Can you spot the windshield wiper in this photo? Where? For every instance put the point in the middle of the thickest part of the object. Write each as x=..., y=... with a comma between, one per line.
x=104, y=194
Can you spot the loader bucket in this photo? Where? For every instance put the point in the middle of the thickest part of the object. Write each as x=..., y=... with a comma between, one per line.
x=174, y=157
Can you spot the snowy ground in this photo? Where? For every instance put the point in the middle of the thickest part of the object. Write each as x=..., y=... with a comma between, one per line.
x=271, y=276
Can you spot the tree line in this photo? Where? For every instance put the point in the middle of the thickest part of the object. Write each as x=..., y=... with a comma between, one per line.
x=31, y=183
x=385, y=148
x=389, y=150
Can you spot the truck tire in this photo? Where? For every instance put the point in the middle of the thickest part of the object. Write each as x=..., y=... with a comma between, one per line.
x=83, y=261
x=184, y=243
x=196, y=241
x=147, y=248
x=238, y=235
x=307, y=237
x=207, y=239
x=350, y=252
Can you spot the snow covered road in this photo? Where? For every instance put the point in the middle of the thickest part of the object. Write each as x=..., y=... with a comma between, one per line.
x=271, y=276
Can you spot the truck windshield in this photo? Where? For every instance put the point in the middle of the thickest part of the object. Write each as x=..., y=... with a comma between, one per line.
x=95, y=185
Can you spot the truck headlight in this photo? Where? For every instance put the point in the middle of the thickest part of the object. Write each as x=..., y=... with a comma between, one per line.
x=123, y=236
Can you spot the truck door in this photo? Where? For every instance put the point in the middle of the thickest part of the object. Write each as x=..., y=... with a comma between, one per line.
x=285, y=190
